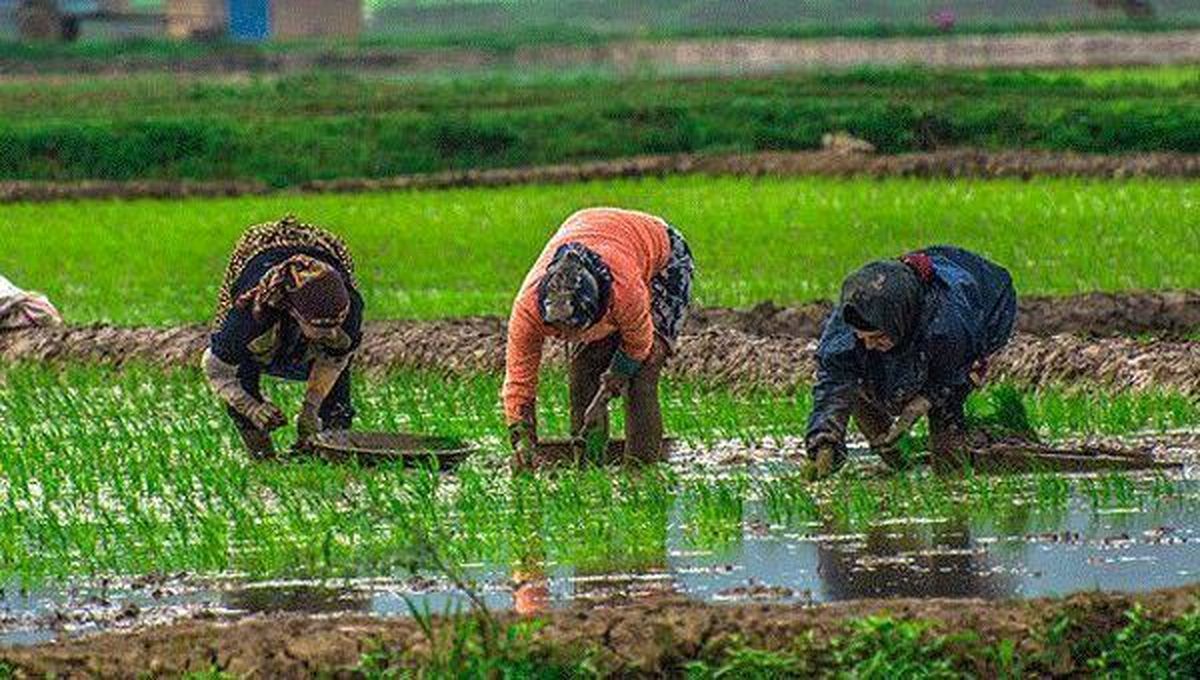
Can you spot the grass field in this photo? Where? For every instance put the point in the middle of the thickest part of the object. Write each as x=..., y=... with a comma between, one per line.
x=448, y=253
x=295, y=129
x=136, y=471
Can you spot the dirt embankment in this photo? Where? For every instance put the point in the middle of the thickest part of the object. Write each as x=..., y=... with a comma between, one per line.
x=1162, y=313
x=768, y=347
x=647, y=639
x=1023, y=164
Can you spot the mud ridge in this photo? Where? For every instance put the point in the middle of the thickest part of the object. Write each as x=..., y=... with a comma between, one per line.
x=717, y=355
x=1162, y=313
x=646, y=639
x=1022, y=164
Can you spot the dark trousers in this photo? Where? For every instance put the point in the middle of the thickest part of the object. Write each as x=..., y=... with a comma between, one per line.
x=336, y=411
x=643, y=414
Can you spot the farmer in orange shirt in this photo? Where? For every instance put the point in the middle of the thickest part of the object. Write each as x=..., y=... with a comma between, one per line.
x=616, y=284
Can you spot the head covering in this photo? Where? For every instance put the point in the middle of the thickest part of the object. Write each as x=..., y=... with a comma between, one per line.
x=883, y=296
x=575, y=289
x=312, y=289
x=287, y=233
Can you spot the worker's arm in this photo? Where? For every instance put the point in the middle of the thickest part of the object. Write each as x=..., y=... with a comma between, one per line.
x=522, y=360
x=837, y=381
x=222, y=377
x=833, y=396
x=332, y=357
x=322, y=376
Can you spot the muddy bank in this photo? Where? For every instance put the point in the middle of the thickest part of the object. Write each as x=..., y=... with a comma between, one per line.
x=1161, y=313
x=1023, y=164
x=642, y=639
x=717, y=355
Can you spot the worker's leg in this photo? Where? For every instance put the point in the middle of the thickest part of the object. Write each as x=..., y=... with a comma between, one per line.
x=337, y=411
x=949, y=440
x=874, y=423
x=670, y=296
x=588, y=363
x=257, y=441
x=643, y=413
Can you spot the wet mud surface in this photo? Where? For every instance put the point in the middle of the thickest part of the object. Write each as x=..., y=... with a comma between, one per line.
x=642, y=638
x=766, y=346
x=1022, y=164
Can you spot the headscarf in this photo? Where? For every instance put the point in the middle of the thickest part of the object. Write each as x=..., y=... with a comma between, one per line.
x=884, y=296
x=575, y=288
x=303, y=284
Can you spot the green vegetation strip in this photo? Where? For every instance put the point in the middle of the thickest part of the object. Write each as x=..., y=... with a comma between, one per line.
x=138, y=471
x=1077, y=641
x=311, y=127
x=449, y=253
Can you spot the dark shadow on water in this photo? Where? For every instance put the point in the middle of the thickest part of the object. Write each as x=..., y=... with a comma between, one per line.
x=296, y=599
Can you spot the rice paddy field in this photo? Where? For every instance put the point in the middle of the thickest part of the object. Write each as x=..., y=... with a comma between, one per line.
x=127, y=502
x=137, y=538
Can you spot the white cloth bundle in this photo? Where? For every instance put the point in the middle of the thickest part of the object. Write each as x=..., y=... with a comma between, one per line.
x=25, y=309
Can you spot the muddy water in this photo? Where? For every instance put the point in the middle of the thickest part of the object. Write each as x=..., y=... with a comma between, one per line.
x=1019, y=553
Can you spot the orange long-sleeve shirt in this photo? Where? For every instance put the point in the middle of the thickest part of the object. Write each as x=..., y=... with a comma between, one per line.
x=635, y=248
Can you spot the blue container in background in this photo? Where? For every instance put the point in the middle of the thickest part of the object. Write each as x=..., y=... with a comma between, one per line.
x=249, y=20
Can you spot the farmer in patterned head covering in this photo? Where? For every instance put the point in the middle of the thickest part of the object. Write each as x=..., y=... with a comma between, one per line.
x=615, y=283
x=289, y=308
x=909, y=337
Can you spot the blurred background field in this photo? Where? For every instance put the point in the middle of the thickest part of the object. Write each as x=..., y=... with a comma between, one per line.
x=451, y=21
x=290, y=130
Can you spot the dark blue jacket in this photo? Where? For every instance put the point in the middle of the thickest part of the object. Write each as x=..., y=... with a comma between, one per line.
x=968, y=312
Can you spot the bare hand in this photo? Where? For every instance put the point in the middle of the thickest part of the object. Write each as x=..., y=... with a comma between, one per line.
x=266, y=416
x=612, y=384
x=523, y=437
x=913, y=411
x=824, y=460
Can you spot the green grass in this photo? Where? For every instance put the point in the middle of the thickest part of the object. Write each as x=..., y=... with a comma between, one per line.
x=138, y=471
x=324, y=126
x=869, y=647
x=449, y=253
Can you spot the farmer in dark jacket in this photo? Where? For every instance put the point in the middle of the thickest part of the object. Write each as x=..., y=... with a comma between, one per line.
x=909, y=337
x=288, y=308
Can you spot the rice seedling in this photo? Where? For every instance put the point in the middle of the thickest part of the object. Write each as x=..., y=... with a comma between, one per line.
x=138, y=471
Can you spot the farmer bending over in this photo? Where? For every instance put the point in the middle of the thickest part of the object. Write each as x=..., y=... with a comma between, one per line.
x=909, y=337
x=289, y=308
x=616, y=284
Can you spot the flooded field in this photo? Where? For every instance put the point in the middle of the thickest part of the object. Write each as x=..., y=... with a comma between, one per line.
x=1043, y=535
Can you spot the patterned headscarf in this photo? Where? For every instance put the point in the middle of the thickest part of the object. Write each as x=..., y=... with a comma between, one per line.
x=303, y=284
x=575, y=289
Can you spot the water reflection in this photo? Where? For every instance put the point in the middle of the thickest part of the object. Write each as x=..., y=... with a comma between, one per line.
x=1016, y=550
x=296, y=599
x=922, y=560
